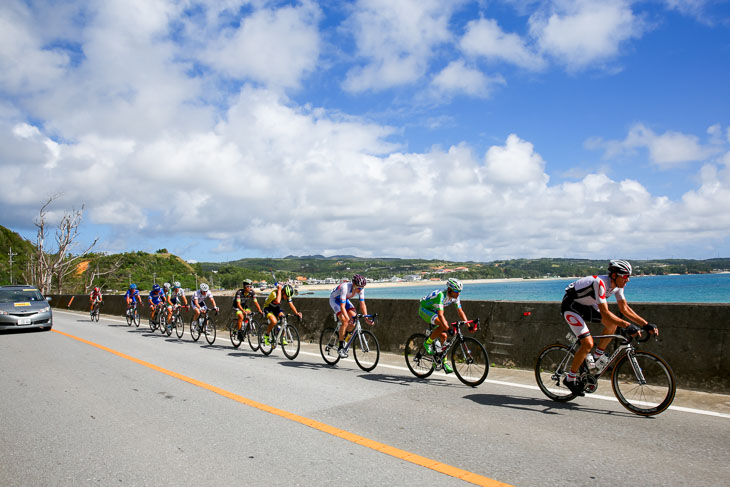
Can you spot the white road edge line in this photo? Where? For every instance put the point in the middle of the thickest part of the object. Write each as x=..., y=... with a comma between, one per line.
x=490, y=381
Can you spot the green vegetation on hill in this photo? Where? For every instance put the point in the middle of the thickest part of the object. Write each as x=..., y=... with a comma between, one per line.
x=22, y=250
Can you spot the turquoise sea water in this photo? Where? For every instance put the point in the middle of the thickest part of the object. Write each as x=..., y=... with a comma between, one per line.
x=694, y=288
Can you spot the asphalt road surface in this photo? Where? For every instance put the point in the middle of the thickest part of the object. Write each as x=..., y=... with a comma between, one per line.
x=131, y=407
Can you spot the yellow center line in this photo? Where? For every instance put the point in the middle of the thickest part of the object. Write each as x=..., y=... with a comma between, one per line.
x=404, y=455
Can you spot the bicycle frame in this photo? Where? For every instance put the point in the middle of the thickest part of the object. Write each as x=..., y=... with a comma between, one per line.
x=450, y=341
x=356, y=332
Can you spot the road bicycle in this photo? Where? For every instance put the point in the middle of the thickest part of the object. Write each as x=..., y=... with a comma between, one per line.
x=365, y=346
x=160, y=321
x=132, y=315
x=249, y=331
x=468, y=356
x=175, y=323
x=94, y=313
x=204, y=324
x=642, y=382
x=284, y=334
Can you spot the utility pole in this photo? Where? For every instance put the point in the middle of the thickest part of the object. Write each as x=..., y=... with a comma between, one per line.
x=196, y=281
x=130, y=278
x=154, y=278
x=11, y=255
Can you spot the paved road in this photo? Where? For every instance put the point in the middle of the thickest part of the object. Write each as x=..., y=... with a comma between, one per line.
x=75, y=414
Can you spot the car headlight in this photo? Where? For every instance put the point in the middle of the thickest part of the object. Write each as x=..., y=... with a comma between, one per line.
x=3, y=312
x=44, y=310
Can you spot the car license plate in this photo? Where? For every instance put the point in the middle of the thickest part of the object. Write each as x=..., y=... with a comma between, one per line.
x=24, y=321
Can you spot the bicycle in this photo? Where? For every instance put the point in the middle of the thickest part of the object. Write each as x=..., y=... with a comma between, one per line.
x=203, y=324
x=94, y=313
x=285, y=334
x=133, y=315
x=249, y=331
x=642, y=382
x=177, y=321
x=160, y=320
x=469, y=358
x=365, y=346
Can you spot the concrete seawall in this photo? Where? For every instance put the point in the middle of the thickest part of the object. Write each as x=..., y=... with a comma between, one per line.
x=694, y=338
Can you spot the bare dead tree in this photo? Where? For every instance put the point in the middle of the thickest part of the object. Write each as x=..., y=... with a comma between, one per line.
x=44, y=266
x=94, y=274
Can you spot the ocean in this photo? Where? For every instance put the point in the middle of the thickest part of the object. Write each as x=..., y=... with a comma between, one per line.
x=692, y=288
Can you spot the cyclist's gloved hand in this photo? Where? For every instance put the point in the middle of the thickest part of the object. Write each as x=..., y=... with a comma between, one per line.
x=651, y=328
x=451, y=330
x=632, y=330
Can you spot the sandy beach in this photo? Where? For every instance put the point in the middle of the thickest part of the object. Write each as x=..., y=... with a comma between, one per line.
x=435, y=284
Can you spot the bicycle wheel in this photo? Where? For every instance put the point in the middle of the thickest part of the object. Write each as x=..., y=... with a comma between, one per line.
x=253, y=334
x=233, y=330
x=366, y=350
x=290, y=342
x=264, y=337
x=153, y=325
x=179, y=325
x=195, y=329
x=470, y=361
x=136, y=318
x=553, y=363
x=648, y=397
x=129, y=318
x=328, y=342
x=168, y=326
x=209, y=331
x=418, y=361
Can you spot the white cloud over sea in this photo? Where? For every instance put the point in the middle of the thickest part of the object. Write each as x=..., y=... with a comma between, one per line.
x=183, y=122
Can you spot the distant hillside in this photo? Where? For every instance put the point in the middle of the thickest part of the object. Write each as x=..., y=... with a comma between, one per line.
x=319, y=267
x=21, y=247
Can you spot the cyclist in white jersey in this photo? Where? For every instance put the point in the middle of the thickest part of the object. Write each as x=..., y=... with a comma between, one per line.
x=587, y=300
x=343, y=308
x=198, y=300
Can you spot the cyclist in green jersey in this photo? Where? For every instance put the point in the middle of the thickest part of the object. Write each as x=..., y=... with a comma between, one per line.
x=432, y=311
x=273, y=310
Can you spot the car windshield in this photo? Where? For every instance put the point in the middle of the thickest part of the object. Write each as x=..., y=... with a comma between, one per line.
x=19, y=295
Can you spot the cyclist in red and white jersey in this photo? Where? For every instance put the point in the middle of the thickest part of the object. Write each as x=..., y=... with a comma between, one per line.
x=586, y=300
x=344, y=309
x=94, y=297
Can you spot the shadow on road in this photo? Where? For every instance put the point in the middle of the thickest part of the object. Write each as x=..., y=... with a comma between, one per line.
x=543, y=406
x=307, y=365
x=402, y=380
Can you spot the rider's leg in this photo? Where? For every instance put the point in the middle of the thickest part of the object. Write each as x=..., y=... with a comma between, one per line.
x=239, y=315
x=346, y=323
x=580, y=330
x=169, y=313
x=272, y=322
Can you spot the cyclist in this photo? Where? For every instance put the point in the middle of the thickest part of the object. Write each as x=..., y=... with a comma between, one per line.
x=156, y=297
x=272, y=307
x=432, y=311
x=198, y=300
x=586, y=300
x=174, y=296
x=343, y=308
x=132, y=295
x=94, y=297
x=242, y=302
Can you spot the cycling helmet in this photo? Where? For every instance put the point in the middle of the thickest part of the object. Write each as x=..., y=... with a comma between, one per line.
x=176, y=284
x=96, y=289
x=204, y=287
x=359, y=280
x=247, y=283
x=156, y=287
x=166, y=285
x=288, y=290
x=621, y=267
x=132, y=286
x=455, y=285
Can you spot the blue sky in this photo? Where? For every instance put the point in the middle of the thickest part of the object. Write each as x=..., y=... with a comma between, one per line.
x=463, y=130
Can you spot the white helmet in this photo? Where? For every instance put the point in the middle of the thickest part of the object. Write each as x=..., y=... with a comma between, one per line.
x=204, y=287
x=166, y=285
x=176, y=284
x=621, y=267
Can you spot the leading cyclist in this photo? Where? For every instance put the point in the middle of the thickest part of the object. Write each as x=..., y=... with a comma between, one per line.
x=132, y=295
x=156, y=297
x=586, y=300
x=432, y=311
x=343, y=308
x=94, y=297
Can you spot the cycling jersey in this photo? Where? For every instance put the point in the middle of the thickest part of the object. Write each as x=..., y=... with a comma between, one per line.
x=243, y=298
x=175, y=294
x=581, y=300
x=272, y=296
x=157, y=297
x=95, y=295
x=438, y=300
x=342, y=294
x=132, y=295
x=200, y=297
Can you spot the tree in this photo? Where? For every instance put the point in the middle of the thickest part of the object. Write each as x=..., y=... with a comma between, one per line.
x=44, y=266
